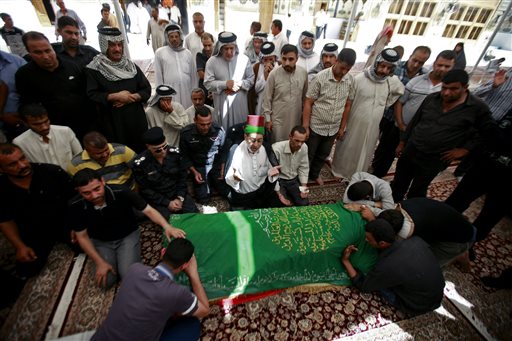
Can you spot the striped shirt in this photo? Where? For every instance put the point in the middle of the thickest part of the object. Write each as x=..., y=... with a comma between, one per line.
x=498, y=99
x=330, y=97
x=115, y=171
x=415, y=92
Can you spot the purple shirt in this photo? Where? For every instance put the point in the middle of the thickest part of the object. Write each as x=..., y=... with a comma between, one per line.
x=148, y=297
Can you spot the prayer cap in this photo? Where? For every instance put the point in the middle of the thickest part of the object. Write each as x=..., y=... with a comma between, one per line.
x=330, y=48
x=227, y=37
x=165, y=91
x=154, y=136
x=255, y=124
x=454, y=76
x=267, y=49
x=260, y=35
x=309, y=34
x=348, y=56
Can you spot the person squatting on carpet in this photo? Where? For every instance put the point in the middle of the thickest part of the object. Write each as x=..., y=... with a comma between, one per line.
x=150, y=305
x=106, y=227
x=407, y=275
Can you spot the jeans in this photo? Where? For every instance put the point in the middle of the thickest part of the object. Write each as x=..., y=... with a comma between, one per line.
x=119, y=253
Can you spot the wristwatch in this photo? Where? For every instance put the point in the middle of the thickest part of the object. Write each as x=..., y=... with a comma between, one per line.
x=181, y=198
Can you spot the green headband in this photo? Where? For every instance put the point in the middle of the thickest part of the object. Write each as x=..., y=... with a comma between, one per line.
x=250, y=129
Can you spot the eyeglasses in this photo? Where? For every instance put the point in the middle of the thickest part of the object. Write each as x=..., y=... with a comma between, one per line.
x=161, y=149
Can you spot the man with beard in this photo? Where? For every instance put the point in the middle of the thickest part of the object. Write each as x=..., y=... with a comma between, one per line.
x=119, y=88
x=70, y=49
x=327, y=59
x=447, y=125
x=174, y=65
x=55, y=83
x=284, y=95
x=167, y=114
x=201, y=59
x=374, y=90
x=64, y=11
x=229, y=76
x=33, y=197
x=251, y=176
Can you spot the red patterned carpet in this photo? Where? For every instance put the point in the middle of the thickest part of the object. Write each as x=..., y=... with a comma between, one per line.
x=63, y=300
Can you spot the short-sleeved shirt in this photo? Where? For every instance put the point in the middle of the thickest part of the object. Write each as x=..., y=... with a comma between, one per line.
x=415, y=92
x=115, y=171
x=41, y=209
x=147, y=298
x=113, y=221
x=330, y=97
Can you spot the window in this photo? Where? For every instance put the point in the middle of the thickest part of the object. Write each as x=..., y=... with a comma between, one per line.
x=419, y=29
x=412, y=8
x=449, y=31
x=396, y=7
x=405, y=27
x=475, y=33
x=391, y=22
x=484, y=16
x=463, y=30
x=458, y=14
x=471, y=14
x=428, y=9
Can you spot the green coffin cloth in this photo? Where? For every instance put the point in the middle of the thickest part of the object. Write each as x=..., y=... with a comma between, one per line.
x=253, y=251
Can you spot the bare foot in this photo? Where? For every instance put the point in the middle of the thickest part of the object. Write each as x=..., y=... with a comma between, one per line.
x=319, y=181
x=283, y=199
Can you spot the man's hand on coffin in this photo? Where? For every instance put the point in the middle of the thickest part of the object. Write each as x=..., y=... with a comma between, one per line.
x=353, y=207
x=349, y=250
x=366, y=213
x=174, y=232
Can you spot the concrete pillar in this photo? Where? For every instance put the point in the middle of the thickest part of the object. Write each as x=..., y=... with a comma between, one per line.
x=266, y=12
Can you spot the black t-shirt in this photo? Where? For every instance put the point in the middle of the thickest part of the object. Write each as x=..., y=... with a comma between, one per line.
x=40, y=210
x=114, y=221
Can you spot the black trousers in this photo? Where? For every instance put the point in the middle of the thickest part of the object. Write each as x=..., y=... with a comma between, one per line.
x=203, y=190
x=385, y=152
x=489, y=178
x=189, y=206
x=319, y=148
x=263, y=197
x=417, y=170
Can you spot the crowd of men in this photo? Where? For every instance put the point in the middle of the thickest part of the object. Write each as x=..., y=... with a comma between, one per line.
x=93, y=150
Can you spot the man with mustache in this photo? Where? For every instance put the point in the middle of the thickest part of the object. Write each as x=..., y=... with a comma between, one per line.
x=284, y=94
x=33, y=197
x=327, y=59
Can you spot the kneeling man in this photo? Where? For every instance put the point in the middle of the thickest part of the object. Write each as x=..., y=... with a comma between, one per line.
x=406, y=275
x=250, y=175
x=106, y=227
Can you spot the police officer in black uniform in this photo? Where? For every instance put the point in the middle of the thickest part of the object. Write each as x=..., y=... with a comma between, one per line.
x=161, y=176
x=202, y=146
